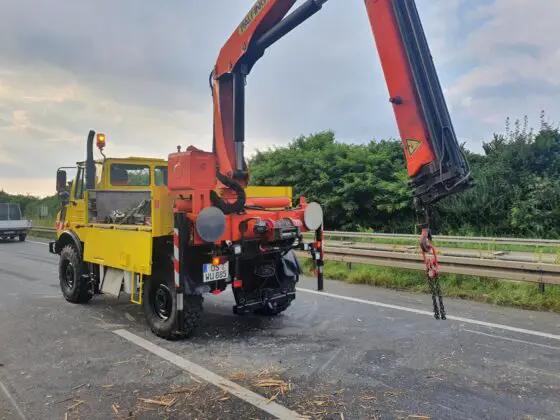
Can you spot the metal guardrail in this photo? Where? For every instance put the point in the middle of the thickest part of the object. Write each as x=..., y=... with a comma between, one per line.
x=444, y=238
x=42, y=229
x=496, y=267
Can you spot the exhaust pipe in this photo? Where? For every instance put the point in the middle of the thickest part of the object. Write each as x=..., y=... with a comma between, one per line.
x=90, y=164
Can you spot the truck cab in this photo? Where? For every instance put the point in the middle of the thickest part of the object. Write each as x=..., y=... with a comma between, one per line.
x=12, y=223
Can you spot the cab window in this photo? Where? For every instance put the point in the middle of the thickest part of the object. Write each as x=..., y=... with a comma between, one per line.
x=79, y=193
x=4, y=211
x=160, y=176
x=15, y=213
x=98, y=174
x=124, y=174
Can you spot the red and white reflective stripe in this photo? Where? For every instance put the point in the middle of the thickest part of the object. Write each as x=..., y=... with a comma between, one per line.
x=176, y=256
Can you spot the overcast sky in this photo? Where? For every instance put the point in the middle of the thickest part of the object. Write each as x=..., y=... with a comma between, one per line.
x=138, y=71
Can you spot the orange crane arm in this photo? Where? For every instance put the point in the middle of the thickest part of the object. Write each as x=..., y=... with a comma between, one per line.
x=435, y=161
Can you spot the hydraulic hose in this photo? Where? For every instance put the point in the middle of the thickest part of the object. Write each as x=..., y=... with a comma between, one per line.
x=219, y=202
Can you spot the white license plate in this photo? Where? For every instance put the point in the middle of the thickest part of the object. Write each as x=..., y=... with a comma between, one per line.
x=212, y=272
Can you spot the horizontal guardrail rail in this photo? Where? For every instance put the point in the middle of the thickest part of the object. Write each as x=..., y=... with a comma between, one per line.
x=445, y=238
x=503, y=269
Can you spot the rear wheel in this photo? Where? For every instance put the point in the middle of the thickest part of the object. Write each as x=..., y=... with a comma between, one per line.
x=22, y=237
x=75, y=287
x=159, y=301
x=268, y=286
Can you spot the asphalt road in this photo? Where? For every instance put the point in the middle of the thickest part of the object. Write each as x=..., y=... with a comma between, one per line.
x=358, y=353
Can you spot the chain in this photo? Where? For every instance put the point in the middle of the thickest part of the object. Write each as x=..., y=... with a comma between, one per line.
x=432, y=273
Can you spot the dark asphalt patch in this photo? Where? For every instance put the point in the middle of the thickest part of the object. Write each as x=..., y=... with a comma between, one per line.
x=18, y=274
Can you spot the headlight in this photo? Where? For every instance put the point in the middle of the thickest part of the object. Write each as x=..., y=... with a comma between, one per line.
x=313, y=216
x=211, y=224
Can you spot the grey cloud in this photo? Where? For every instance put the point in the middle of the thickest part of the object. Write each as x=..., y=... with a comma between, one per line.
x=518, y=89
x=161, y=57
x=119, y=45
x=507, y=49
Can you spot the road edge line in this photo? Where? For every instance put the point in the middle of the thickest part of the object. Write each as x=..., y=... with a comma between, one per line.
x=12, y=400
x=422, y=312
x=226, y=385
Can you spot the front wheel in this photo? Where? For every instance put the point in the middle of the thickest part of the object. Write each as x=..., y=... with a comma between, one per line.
x=75, y=287
x=159, y=303
x=22, y=237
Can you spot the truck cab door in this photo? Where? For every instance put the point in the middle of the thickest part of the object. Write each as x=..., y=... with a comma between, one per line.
x=75, y=210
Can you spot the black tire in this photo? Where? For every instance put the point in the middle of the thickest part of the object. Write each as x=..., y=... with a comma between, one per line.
x=22, y=237
x=75, y=288
x=288, y=283
x=158, y=300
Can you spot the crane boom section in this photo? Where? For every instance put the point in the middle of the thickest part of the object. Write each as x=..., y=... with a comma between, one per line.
x=435, y=161
x=262, y=17
x=396, y=68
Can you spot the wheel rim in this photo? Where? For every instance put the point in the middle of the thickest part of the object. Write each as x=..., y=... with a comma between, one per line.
x=69, y=275
x=162, y=302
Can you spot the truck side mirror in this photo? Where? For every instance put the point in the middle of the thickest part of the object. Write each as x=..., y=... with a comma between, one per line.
x=60, y=180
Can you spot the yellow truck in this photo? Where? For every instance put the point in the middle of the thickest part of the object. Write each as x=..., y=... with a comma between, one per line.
x=125, y=227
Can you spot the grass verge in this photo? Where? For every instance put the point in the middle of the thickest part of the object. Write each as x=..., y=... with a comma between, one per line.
x=48, y=222
x=498, y=292
x=42, y=235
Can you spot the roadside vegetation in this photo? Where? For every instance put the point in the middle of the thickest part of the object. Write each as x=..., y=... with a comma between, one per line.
x=498, y=292
x=364, y=187
x=31, y=207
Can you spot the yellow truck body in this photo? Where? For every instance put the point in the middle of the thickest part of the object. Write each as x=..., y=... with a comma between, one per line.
x=125, y=246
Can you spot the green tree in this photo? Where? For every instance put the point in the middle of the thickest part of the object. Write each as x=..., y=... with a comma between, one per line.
x=359, y=186
x=366, y=187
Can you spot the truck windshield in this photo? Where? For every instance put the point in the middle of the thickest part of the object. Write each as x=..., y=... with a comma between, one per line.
x=9, y=211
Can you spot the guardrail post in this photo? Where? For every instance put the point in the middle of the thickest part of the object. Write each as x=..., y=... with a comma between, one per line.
x=319, y=255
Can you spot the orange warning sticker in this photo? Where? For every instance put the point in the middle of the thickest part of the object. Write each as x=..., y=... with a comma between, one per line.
x=412, y=145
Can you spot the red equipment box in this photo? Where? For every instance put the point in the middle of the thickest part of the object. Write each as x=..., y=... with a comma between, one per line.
x=190, y=170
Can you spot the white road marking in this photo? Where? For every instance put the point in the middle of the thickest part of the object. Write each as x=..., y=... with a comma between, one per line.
x=12, y=400
x=422, y=312
x=501, y=337
x=129, y=317
x=246, y=395
x=37, y=242
x=330, y=360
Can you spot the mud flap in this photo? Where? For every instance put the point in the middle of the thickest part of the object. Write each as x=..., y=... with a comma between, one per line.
x=291, y=267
